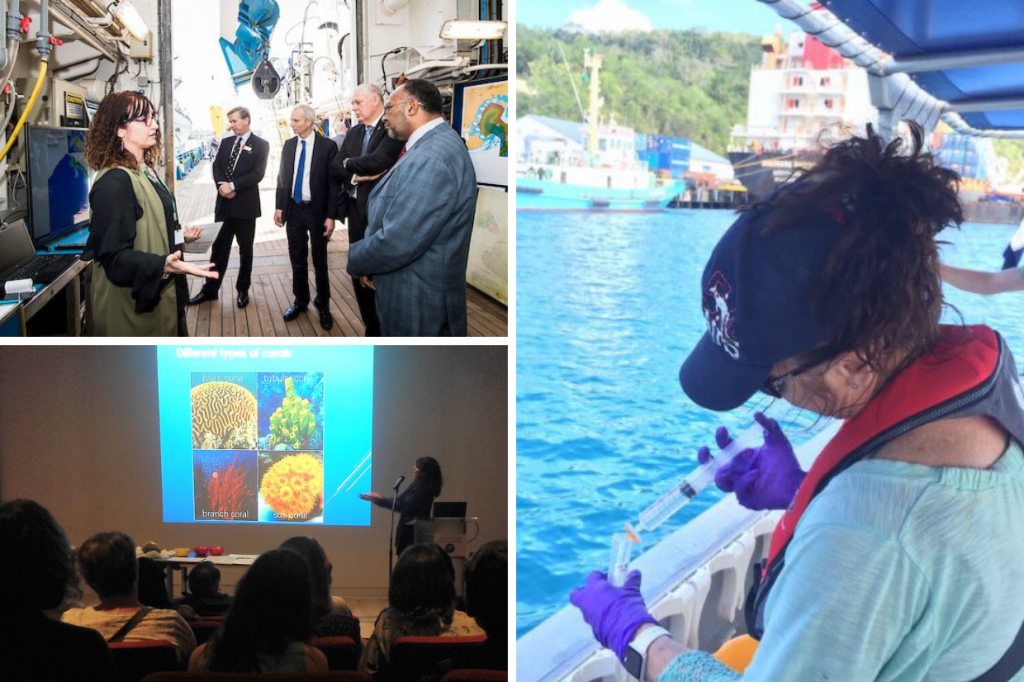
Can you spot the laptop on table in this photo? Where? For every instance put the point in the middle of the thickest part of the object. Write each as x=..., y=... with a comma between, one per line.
x=18, y=259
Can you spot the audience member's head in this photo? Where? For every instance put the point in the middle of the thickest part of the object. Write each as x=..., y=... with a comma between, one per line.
x=204, y=580
x=487, y=588
x=109, y=565
x=428, y=472
x=422, y=589
x=273, y=607
x=37, y=570
x=319, y=570
x=153, y=585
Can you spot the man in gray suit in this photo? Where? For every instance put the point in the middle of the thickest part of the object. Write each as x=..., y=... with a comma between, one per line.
x=421, y=216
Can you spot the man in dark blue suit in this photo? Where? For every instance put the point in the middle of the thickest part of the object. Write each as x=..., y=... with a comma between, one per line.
x=366, y=153
x=307, y=203
x=239, y=167
x=420, y=221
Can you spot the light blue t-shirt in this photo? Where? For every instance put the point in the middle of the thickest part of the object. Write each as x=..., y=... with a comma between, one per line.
x=897, y=572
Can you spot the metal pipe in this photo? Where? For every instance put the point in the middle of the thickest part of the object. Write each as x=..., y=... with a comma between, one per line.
x=953, y=60
x=167, y=88
x=966, y=106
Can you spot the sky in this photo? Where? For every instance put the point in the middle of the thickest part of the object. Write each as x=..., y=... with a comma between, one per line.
x=738, y=16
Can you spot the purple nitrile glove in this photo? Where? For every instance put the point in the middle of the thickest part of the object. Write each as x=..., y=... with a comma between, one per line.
x=763, y=478
x=613, y=613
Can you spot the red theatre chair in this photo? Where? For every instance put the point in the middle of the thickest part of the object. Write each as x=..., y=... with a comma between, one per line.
x=476, y=676
x=135, y=660
x=341, y=652
x=339, y=676
x=413, y=657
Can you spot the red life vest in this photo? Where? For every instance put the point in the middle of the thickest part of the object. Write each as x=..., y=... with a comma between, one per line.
x=953, y=379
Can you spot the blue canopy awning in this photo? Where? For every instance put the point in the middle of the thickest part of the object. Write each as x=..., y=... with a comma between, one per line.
x=936, y=28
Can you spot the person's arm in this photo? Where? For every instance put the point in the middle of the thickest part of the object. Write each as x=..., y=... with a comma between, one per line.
x=252, y=178
x=218, y=170
x=284, y=176
x=979, y=282
x=379, y=160
x=411, y=225
x=332, y=193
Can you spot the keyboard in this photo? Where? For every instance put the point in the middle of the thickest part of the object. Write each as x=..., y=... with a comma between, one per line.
x=32, y=269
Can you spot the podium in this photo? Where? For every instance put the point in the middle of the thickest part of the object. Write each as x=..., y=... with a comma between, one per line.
x=450, y=534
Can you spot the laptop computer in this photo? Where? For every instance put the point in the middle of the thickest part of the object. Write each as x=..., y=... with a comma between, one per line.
x=18, y=259
x=449, y=510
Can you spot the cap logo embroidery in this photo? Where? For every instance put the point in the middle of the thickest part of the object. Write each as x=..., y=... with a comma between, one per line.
x=718, y=314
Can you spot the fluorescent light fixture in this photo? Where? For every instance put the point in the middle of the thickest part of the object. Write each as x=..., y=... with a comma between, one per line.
x=129, y=17
x=473, y=30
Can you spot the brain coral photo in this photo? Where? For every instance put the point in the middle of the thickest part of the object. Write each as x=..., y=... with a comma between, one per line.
x=294, y=486
x=218, y=408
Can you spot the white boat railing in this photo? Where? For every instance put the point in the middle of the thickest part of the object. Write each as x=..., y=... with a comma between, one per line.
x=695, y=582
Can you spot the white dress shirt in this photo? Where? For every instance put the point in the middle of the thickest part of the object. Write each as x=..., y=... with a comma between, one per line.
x=307, y=195
x=421, y=131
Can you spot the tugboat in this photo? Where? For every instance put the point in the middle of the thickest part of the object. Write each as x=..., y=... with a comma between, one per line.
x=607, y=176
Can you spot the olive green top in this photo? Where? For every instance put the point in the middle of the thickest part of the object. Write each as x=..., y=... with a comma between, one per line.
x=147, y=306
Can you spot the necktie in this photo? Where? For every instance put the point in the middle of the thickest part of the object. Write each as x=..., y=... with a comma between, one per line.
x=366, y=139
x=297, y=192
x=234, y=158
x=402, y=153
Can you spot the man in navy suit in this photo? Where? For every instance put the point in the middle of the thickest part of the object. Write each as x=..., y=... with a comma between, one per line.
x=421, y=217
x=239, y=167
x=366, y=153
x=307, y=203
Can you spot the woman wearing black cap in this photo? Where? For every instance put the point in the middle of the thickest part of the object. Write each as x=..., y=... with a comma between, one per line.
x=901, y=554
x=415, y=502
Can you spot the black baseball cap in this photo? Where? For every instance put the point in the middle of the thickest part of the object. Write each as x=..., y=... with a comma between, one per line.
x=756, y=294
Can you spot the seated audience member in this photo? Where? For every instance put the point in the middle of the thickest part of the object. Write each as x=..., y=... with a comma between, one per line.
x=329, y=622
x=421, y=604
x=204, y=595
x=36, y=572
x=110, y=568
x=153, y=589
x=487, y=601
x=270, y=622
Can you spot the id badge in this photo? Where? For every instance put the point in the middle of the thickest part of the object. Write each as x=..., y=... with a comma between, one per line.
x=179, y=236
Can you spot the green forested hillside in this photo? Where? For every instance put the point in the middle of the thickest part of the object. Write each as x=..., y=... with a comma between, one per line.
x=684, y=83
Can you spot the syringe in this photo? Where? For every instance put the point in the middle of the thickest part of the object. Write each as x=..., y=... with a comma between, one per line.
x=675, y=499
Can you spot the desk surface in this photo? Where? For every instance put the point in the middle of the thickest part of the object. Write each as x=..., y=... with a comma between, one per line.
x=225, y=560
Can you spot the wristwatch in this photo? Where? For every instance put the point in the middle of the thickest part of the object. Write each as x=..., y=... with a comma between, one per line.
x=636, y=654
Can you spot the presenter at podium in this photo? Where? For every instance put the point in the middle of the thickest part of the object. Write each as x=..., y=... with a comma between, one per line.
x=415, y=502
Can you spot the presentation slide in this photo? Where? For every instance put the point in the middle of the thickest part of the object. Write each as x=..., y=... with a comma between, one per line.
x=269, y=434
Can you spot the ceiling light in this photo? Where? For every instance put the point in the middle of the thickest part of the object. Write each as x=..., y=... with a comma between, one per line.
x=473, y=30
x=129, y=17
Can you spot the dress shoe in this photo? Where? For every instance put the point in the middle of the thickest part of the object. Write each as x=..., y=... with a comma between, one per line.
x=326, y=321
x=243, y=299
x=293, y=312
x=200, y=297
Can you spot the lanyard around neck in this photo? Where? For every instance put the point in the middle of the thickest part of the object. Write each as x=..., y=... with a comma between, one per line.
x=160, y=184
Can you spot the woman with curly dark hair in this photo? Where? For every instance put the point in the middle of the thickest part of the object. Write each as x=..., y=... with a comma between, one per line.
x=415, y=503
x=900, y=555
x=421, y=603
x=138, y=274
x=37, y=573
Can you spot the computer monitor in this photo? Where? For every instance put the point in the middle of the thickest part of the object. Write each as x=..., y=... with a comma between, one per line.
x=449, y=510
x=58, y=181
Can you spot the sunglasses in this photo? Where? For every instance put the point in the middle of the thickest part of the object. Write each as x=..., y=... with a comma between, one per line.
x=773, y=386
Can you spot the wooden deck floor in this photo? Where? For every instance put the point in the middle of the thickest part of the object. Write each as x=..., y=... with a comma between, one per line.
x=271, y=290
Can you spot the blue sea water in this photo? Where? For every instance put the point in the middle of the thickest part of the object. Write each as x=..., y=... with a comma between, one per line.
x=608, y=306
